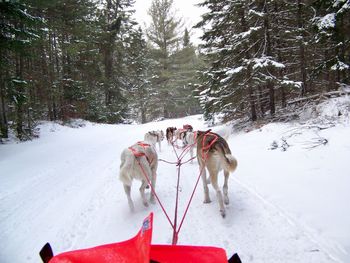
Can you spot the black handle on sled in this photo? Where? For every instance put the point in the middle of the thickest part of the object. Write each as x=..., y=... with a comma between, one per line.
x=46, y=253
x=234, y=259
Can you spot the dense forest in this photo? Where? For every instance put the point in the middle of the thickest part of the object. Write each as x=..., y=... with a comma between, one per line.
x=90, y=59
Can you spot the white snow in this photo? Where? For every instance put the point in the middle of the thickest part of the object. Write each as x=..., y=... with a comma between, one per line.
x=326, y=22
x=265, y=62
x=340, y=66
x=285, y=206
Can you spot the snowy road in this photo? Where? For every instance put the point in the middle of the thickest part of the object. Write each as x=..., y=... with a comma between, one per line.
x=64, y=188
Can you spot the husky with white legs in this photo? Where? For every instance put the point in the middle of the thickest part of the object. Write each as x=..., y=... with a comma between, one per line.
x=137, y=162
x=189, y=140
x=154, y=137
x=214, y=154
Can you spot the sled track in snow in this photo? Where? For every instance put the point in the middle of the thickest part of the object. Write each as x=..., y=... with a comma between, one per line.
x=304, y=230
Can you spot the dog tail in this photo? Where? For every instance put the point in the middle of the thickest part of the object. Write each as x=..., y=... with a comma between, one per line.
x=229, y=161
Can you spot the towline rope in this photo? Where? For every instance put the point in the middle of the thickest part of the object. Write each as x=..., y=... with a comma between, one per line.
x=179, y=163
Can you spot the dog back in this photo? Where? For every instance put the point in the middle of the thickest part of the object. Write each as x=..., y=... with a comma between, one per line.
x=210, y=147
x=139, y=154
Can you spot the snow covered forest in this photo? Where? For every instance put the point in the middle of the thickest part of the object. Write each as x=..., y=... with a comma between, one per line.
x=259, y=60
x=81, y=80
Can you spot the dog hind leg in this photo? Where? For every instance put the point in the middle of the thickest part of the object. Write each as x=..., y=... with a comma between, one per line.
x=127, y=189
x=142, y=192
x=205, y=185
x=214, y=183
x=153, y=182
x=225, y=188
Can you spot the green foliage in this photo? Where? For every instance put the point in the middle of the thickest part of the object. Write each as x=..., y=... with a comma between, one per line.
x=175, y=70
x=261, y=53
x=85, y=59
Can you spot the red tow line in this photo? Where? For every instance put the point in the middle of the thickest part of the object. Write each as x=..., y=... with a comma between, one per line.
x=179, y=163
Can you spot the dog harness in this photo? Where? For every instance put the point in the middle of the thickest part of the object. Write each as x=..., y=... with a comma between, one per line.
x=140, y=154
x=206, y=148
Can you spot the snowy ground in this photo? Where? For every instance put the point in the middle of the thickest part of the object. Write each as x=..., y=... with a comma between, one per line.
x=286, y=206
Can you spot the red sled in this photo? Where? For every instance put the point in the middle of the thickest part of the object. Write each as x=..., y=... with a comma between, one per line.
x=139, y=250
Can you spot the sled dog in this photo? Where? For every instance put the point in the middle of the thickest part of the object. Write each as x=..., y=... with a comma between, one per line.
x=214, y=154
x=137, y=161
x=154, y=137
x=170, y=132
x=189, y=140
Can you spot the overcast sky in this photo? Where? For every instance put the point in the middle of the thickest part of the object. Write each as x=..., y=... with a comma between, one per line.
x=184, y=8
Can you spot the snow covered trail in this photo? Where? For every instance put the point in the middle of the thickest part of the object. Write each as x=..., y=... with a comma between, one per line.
x=253, y=227
x=64, y=188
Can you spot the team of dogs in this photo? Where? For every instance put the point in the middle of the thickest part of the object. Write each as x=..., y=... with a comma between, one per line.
x=140, y=162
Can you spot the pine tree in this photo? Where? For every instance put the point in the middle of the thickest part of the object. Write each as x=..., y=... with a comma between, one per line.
x=260, y=53
x=332, y=44
x=163, y=33
x=139, y=66
x=184, y=67
x=117, y=25
x=18, y=35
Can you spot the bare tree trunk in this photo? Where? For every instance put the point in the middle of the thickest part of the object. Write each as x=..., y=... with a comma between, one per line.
x=58, y=94
x=19, y=102
x=3, y=118
x=260, y=101
x=111, y=31
x=48, y=73
x=143, y=115
x=279, y=46
x=270, y=85
x=271, y=98
x=302, y=50
x=252, y=104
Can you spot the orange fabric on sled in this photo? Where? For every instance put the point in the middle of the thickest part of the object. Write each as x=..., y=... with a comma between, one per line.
x=134, y=250
x=188, y=254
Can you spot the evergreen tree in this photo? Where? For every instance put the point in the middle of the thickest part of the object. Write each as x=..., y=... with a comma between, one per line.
x=332, y=44
x=139, y=66
x=256, y=63
x=18, y=35
x=116, y=23
x=163, y=33
x=185, y=64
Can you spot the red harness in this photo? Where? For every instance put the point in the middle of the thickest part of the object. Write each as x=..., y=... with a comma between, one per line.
x=140, y=154
x=206, y=148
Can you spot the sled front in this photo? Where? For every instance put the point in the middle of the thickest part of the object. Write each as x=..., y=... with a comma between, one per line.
x=134, y=250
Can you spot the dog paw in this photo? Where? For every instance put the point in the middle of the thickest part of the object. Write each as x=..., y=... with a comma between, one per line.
x=226, y=201
x=223, y=213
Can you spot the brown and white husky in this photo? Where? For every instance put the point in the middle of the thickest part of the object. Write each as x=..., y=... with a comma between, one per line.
x=170, y=132
x=214, y=154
